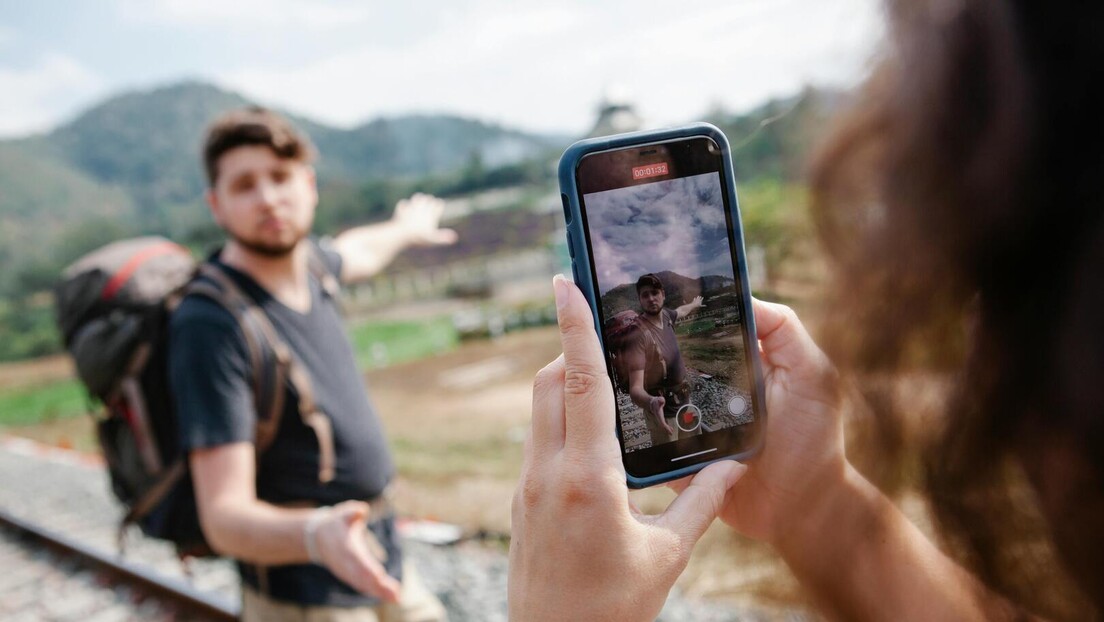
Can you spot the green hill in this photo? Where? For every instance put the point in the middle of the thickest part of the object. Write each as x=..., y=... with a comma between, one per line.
x=148, y=143
x=41, y=199
x=413, y=146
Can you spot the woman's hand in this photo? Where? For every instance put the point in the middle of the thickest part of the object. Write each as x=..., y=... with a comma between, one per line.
x=802, y=463
x=848, y=545
x=579, y=550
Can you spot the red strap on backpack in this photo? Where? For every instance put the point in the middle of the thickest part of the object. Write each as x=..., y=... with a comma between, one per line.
x=123, y=275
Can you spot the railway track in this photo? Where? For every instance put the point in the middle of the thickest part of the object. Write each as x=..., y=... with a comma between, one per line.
x=55, y=507
x=119, y=589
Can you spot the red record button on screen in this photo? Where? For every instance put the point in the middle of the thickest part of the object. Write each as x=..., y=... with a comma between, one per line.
x=688, y=418
x=649, y=170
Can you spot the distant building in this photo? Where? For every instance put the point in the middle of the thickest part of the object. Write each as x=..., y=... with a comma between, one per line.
x=616, y=115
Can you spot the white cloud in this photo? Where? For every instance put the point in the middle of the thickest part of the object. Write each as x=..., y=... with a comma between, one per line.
x=246, y=14
x=479, y=63
x=537, y=66
x=676, y=225
x=545, y=66
x=44, y=91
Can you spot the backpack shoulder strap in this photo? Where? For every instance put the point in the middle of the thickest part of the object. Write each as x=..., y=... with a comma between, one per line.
x=267, y=357
x=653, y=350
x=316, y=264
x=274, y=364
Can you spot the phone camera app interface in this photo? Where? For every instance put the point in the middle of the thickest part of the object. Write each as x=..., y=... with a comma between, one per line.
x=670, y=309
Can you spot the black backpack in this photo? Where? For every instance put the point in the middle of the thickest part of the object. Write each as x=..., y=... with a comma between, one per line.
x=113, y=308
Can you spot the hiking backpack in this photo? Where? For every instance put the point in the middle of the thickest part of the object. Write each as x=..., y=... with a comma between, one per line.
x=113, y=309
x=625, y=330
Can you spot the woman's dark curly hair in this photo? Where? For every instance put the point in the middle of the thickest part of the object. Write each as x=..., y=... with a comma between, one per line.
x=961, y=202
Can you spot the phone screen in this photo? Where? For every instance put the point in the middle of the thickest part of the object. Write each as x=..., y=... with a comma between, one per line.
x=660, y=234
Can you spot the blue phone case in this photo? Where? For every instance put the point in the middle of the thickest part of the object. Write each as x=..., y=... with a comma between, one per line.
x=582, y=270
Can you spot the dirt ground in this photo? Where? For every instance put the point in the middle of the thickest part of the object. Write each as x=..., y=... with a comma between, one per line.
x=34, y=372
x=458, y=422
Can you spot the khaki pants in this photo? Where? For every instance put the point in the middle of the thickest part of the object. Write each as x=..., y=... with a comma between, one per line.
x=416, y=604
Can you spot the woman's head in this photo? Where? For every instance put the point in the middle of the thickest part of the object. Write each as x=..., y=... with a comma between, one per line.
x=961, y=201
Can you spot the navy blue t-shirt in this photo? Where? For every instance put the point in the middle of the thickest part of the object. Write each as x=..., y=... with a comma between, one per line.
x=211, y=379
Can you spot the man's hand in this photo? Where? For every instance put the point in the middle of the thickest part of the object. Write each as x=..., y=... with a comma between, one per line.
x=579, y=551
x=238, y=525
x=367, y=250
x=418, y=220
x=341, y=542
x=655, y=409
x=690, y=307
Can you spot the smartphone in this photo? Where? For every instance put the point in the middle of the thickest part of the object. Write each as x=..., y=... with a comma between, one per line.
x=653, y=230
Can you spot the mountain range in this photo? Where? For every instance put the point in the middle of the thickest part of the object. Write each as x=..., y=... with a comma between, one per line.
x=131, y=164
x=135, y=159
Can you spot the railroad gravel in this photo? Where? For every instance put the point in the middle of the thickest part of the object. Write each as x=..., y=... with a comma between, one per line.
x=713, y=397
x=72, y=496
x=39, y=585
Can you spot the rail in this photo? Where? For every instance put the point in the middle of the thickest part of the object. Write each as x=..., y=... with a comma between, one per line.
x=184, y=596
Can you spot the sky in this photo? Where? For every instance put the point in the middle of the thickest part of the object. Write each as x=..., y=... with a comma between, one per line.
x=677, y=225
x=538, y=66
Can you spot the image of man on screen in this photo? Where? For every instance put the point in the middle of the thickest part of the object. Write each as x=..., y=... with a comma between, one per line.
x=658, y=381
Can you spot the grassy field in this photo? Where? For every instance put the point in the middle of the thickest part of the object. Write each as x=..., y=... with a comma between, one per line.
x=379, y=344
x=56, y=395
x=26, y=405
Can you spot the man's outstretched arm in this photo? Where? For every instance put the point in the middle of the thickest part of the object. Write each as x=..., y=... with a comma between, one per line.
x=689, y=307
x=368, y=249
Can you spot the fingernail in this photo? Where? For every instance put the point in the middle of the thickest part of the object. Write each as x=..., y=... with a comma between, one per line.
x=559, y=288
x=736, y=473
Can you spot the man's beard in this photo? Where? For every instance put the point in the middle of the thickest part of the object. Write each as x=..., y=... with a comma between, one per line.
x=277, y=250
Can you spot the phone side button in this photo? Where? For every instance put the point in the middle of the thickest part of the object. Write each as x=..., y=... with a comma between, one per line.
x=570, y=247
x=566, y=207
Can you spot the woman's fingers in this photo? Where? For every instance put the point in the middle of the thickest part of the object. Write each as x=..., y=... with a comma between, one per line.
x=784, y=340
x=783, y=337
x=786, y=345
x=548, y=409
x=700, y=501
x=587, y=392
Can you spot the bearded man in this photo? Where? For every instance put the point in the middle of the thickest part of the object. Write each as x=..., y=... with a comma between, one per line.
x=307, y=519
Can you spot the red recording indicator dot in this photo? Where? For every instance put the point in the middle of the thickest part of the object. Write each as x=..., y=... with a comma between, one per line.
x=649, y=170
